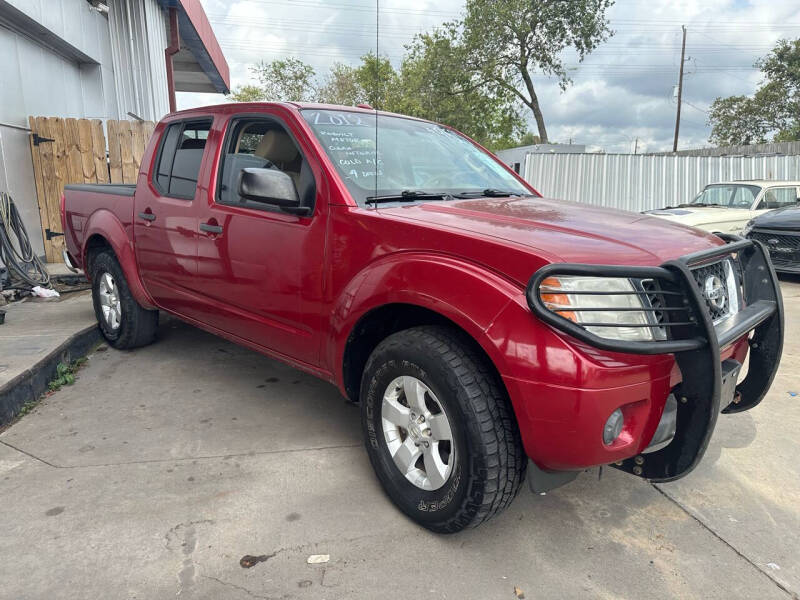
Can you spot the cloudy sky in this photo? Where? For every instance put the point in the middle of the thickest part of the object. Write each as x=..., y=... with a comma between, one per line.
x=623, y=91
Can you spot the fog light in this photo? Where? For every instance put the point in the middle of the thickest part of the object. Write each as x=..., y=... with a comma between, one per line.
x=613, y=427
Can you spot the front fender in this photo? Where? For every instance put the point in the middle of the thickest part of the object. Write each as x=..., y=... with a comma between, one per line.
x=466, y=293
x=105, y=224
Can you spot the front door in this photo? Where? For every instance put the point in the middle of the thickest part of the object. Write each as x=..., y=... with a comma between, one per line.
x=165, y=215
x=777, y=197
x=260, y=270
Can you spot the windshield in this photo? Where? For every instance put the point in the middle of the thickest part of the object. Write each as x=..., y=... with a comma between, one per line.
x=412, y=157
x=728, y=195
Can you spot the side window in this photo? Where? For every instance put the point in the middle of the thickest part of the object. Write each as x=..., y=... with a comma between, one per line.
x=168, y=146
x=779, y=197
x=180, y=156
x=262, y=144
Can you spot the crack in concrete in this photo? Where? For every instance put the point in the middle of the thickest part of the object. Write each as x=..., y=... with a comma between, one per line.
x=236, y=587
x=29, y=455
x=173, y=460
x=735, y=550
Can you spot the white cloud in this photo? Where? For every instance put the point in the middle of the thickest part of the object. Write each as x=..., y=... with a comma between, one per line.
x=621, y=92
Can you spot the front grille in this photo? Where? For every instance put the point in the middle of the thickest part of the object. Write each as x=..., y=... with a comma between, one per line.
x=658, y=303
x=713, y=283
x=784, y=248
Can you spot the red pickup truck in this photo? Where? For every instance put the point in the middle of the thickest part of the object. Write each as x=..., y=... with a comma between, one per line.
x=484, y=330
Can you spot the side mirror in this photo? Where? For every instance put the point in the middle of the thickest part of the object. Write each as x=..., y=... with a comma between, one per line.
x=271, y=186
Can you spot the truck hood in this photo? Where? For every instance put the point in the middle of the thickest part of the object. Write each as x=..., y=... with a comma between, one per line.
x=564, y=231
x=782, y=218
x=695, y=216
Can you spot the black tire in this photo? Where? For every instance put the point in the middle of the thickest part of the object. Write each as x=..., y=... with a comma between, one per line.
x=490, y=462
x=137, y=325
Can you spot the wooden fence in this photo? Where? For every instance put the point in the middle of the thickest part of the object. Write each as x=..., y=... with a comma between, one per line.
x=77, y=151
x=786, y=148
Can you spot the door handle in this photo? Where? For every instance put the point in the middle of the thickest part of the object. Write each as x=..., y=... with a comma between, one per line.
x=147, y=216
x=209, y=228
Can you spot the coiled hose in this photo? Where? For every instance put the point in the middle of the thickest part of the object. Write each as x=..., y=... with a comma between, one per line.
x=16, y=252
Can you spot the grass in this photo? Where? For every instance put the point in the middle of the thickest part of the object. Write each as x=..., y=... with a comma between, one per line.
x=65, y=375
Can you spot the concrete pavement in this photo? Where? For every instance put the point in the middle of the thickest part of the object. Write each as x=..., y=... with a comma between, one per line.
x=161, y=468
x=37, y=335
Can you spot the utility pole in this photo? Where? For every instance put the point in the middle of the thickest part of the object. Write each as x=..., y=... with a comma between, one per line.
x=636, y=147
x=680, y=92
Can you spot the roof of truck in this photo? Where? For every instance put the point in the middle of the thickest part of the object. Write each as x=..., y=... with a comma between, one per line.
x=296, y=105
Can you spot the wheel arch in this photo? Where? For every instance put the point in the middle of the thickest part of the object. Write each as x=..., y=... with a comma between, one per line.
x=105, y=231
x=414, y=291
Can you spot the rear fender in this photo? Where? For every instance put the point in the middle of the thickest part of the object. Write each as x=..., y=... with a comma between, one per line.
x=465, y=293
x=106, y=224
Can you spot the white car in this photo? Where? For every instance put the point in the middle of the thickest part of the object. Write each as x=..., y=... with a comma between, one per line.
x=726, y=207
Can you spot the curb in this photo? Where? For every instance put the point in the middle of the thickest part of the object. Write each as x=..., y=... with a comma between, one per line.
x=32, y=383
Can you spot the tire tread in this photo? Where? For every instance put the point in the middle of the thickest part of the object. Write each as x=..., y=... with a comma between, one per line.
x=495, y=425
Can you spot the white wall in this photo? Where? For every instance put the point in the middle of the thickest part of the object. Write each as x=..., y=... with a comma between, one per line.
x=638, y=182
x=138, y=31
x=36, y=80
x=119, y=68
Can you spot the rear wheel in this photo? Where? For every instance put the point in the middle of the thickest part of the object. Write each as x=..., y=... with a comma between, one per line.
x=123, y=322
x=441, y=435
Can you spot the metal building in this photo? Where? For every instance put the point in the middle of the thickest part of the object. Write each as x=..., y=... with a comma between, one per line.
x=516, y=157
x=97, y=59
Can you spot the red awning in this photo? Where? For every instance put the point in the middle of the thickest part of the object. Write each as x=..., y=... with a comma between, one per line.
x=200, y=65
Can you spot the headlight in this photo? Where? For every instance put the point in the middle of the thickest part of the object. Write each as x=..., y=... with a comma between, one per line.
x=612, y=303
x=748, y=228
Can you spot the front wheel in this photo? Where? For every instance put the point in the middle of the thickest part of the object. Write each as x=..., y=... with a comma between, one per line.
x=123, y=322
x=440, y=433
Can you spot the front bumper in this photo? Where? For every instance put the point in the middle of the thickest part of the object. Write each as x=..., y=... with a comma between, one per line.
x=699, y=347
x=783, y=246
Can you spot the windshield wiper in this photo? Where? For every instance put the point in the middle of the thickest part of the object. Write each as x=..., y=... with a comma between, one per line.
x=489, y=193
x=409, y=196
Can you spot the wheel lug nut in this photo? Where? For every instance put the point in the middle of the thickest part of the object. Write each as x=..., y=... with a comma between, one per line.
x=427, y=432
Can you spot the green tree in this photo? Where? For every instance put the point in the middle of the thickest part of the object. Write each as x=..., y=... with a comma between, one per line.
x=247, y=93
x=374, y=81
x=436, y=86
x=342, y=86
x=529, y=139
x=772, y=112
x=379, y=80
x=283, y=80
x=736, y=120
x=508, y=41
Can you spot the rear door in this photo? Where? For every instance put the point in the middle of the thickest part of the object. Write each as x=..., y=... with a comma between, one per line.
x=165, y=219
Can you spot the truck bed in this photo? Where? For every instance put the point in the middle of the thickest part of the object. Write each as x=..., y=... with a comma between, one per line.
x=118, y=189
x=82, y=201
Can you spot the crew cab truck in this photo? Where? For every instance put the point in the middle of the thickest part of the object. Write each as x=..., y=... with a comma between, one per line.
x=484, y=329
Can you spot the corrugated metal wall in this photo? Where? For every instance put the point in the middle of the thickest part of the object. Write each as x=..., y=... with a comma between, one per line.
x=35, y=79
x=643, y=182
x=138, y=37
x=123, y=70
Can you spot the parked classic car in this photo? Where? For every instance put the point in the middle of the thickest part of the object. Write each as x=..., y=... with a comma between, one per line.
x=483, y=329
x=779, y=231
x=726, y=207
